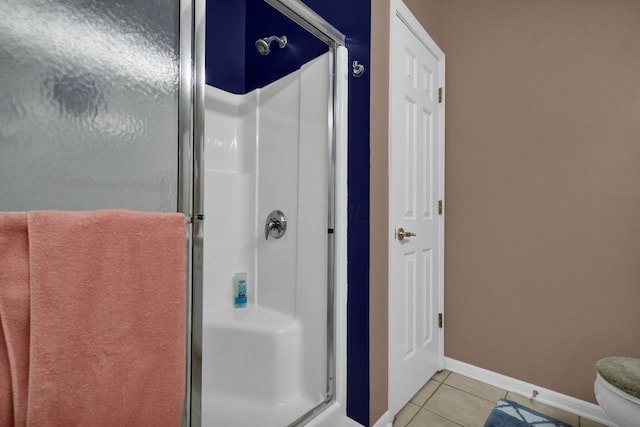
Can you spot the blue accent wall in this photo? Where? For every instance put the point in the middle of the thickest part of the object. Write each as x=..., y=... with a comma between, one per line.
x=225, y=52
x=233, y=64
x=353, y=18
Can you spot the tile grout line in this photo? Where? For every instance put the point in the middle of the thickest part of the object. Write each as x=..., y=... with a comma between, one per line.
x=441, y=415
x=420, y=407
x=460, y=390
x=425, y=402
x=433, y=394
x=440, y=384
x=475, y=395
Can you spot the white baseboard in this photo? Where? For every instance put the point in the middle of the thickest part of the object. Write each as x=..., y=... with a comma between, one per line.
x=351, y=423
x=384, y=421
x=546, y=396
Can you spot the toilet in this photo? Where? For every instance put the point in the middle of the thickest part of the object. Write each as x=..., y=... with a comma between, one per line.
x=617, y=389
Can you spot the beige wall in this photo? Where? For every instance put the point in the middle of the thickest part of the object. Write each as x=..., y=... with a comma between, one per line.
x=542, y=273
x=431, y=16
x=542, y=267
x=379, y=216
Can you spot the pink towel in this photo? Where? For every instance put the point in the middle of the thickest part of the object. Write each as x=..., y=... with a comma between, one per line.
x=107, y=329
x=14, y=316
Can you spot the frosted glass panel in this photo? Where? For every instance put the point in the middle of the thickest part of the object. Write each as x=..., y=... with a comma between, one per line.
x=89, y=104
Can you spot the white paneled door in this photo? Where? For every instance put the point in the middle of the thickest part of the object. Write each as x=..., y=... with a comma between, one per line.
x=416, y=226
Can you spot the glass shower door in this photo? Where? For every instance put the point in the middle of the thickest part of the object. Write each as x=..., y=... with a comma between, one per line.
x=89, y=112
x=96, y=110
x=269, y=192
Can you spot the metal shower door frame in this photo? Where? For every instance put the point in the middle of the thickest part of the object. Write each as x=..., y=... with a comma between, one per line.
x=191, y=186
x=191, y=190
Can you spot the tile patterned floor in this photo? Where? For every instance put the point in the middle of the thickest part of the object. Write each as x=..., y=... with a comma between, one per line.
x=453, y=400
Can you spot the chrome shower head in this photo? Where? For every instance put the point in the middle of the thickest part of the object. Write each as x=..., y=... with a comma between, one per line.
x=263, y=45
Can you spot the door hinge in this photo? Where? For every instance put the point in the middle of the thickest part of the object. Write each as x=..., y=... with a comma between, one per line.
x=440, y=320
x=439, y=207
x=440, y=95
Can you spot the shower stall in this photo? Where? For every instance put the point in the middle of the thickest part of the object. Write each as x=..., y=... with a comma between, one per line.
x=270, y=209
x=106, y=107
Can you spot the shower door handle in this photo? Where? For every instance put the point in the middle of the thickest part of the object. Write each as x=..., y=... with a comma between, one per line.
x=275, y=225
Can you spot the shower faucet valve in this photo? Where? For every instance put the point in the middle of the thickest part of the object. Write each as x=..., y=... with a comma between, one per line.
x=275, y=225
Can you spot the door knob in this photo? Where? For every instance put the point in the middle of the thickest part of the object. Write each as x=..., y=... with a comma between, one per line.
x=402, y=234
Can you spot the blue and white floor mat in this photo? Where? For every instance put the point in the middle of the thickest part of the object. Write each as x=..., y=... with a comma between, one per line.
x=511, y=414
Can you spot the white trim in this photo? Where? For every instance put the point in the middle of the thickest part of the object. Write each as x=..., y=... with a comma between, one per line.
x=348, y=422
x=399, y=9
x=334, y=416
x=546, y=396
x=384, y=421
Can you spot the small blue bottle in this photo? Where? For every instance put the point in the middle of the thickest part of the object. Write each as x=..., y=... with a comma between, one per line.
x=240, y=290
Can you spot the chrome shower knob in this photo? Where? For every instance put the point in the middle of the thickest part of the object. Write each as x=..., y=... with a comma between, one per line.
x=275, y=225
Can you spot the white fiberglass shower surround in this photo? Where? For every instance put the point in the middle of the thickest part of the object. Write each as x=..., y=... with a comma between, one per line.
x=275, y=210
